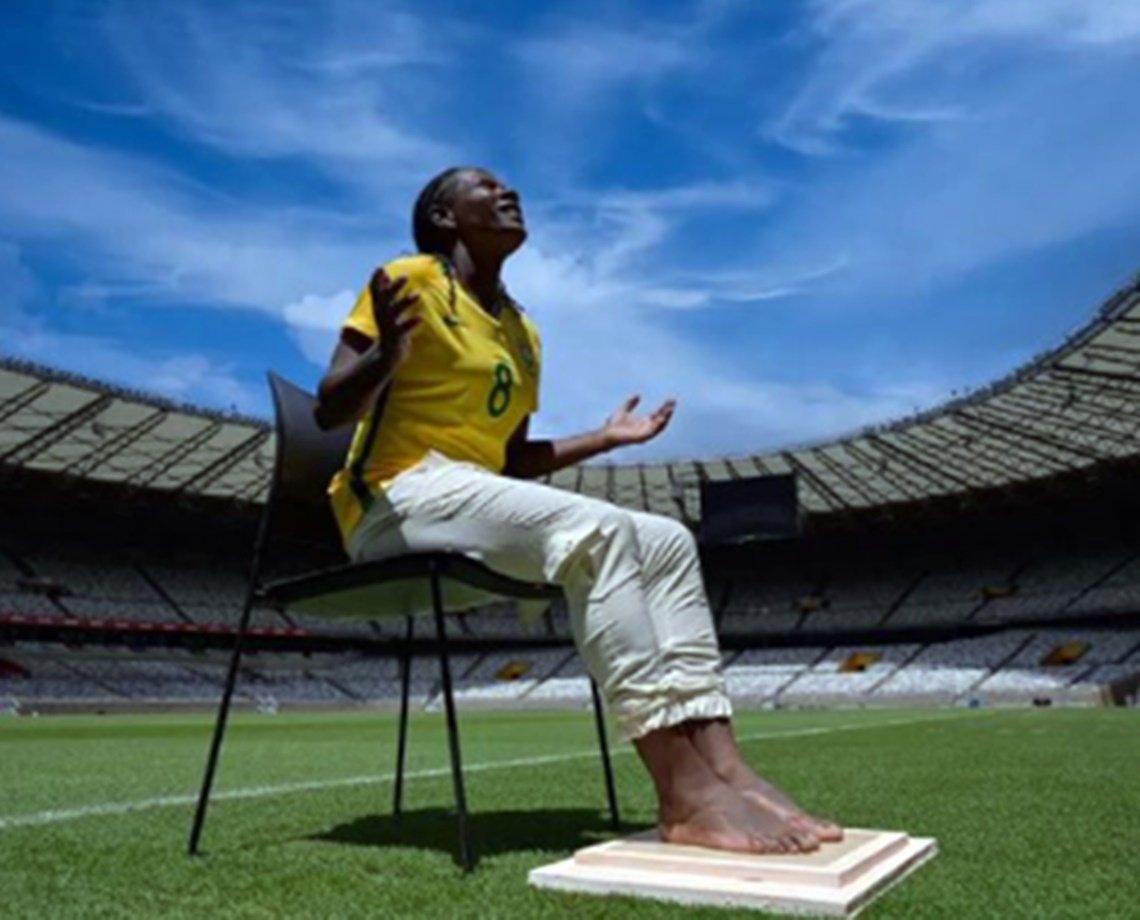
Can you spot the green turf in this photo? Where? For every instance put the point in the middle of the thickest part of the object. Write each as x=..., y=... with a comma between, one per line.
x=1037, y=813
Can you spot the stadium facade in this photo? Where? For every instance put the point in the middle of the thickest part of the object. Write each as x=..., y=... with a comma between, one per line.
x=985, y=551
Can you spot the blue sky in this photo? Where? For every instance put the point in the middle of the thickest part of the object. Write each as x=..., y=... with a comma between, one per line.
x=797, y=218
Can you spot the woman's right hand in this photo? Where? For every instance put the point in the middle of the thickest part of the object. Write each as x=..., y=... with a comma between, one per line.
x=390, y=311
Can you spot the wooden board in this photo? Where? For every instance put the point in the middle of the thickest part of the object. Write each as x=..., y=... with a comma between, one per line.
x=836, y=880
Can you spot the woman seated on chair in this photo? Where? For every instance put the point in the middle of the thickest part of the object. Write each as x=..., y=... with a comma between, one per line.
x=439, y=369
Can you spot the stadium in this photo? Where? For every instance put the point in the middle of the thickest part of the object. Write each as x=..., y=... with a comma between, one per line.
x=962, y=600
x=984, y=552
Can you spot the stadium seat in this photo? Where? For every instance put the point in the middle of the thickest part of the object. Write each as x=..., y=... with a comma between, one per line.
x=297, y=524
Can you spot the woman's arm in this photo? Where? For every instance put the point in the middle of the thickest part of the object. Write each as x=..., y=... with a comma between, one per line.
x=528, y=459
x=361, y=366
x=360, y=369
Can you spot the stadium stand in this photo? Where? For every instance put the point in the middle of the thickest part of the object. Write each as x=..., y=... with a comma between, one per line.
x=1047, y=587
x=1118, y=593
x=919, y=593
x=1004, y=667
x=43, y=675
x=135, y=676
x=758, y=675
x=945, y=557
x=828, y=682
x=566, y=685
x=862, y=598
x=942, y=672
x=370, y=678
x=293, y=681
x=1031, y=673
x=507, y=676
x=951, y=590
x=204, y=593
x=95, y=587
x=765, y=601
x=573, y=692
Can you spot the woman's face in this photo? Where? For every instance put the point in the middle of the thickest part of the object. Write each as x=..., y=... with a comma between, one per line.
x=485, y=212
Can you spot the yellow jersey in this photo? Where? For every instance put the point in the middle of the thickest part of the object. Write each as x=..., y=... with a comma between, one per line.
x=469, y=381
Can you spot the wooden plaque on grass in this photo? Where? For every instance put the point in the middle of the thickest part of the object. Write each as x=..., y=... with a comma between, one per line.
x=837, y=880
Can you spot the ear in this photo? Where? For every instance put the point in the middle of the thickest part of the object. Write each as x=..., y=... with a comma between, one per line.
x=442, y=216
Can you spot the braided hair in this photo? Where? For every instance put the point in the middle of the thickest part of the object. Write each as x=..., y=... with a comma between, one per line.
x=429, y=237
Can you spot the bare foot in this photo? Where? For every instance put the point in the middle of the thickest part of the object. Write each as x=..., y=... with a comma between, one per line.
x=763, y=793
x=725, y=820
x=716, y=745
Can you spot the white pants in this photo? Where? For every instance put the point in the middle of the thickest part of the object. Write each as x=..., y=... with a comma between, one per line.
x=633, y=585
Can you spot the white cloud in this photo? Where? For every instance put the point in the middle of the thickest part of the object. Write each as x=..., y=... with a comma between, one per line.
x=984, y=173
x=603, y=341
x=114, y=109
x=139, y=232
x=314, y=322
x=192, y=378
x=623, y=232
x=295, y=84
x=134, y=224
x=1020, y=137
x=643, y=219
x=580, y=62
x=196, y=377
x=16, y=283
x=1046, y=161
x=736, y=194
x=574, y=72
x=775, y=282
x=183, y=377
x=151, y=233
x=897, y=60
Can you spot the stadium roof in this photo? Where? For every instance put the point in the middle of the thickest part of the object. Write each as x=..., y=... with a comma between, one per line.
x=57, y=423
x=1067, y=409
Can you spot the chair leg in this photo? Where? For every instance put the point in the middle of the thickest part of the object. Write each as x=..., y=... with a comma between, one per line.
x=402, y=734
x=607, y=767
x=219, y=731
x=452, y=725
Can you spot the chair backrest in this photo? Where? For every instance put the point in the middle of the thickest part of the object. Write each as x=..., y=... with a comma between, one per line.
x=299, y=517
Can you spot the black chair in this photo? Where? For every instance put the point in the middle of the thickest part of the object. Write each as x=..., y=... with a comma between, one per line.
x=297, y=518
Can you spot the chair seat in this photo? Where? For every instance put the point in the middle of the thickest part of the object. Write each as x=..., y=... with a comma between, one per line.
x=400, y=587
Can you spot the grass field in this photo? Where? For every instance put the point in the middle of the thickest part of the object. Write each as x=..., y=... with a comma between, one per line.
x=1037, y=812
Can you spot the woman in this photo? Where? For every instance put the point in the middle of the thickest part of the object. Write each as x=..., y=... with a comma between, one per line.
x=439, y=367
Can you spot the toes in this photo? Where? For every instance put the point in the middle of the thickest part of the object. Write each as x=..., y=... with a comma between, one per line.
x=806, y=841
x=762, y=844
x=802, y=824
x=829, y=831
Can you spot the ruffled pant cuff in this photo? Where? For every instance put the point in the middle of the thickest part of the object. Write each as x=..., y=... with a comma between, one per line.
x=636, y=721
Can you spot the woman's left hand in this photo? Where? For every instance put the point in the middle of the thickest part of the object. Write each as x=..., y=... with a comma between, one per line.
x=623, y=427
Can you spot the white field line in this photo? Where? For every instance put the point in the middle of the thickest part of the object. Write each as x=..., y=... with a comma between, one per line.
x=59, y=815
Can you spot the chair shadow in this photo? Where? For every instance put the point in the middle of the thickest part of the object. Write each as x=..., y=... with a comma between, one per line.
x=490, y=832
